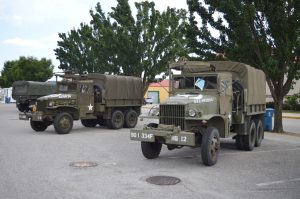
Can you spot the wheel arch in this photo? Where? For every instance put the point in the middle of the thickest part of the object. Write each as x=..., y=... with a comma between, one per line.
x=74, y=112
x=219, y=123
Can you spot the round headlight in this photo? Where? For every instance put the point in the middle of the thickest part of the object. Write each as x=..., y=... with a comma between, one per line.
x=34, y=108
x=192, y=113
x=51, y=103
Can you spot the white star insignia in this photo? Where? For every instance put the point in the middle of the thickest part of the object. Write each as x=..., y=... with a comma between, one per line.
x=90, y=107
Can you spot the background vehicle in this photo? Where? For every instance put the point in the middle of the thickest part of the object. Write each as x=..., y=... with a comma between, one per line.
x=209, y=100
x=112, y=101
x=26, y=92
x=148, y=100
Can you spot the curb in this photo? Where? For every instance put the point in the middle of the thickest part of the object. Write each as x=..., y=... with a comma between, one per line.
x=291, y=117
x=283, y=134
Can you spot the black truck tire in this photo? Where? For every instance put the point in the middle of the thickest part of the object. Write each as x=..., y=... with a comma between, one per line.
x=131, y=118
x=151, y=150
x=249, y=140
x=38, y=125
x=116, y=121
x=210, y=146
x=101, y=121
x=89, y=122
x=239, y=142
x=259, y=133
x=63, y=123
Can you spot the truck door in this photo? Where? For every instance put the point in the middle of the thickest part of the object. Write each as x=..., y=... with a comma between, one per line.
x=225, y=90
x=85, y=95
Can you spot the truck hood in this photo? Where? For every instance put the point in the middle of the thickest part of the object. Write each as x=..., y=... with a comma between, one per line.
x=190, y=99
x=57, y=96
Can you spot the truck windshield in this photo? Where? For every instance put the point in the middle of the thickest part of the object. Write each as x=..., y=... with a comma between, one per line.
x=198, y=83
x=67, y=87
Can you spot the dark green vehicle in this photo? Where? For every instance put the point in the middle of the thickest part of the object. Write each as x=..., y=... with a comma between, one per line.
x=26, y=92
x=107, y=100
x=209, y=101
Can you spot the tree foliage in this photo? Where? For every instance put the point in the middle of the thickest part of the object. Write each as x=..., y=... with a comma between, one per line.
x=75, y=49
x=119, y=43
x=292, y=101
x=26, y=68
x=264, y=34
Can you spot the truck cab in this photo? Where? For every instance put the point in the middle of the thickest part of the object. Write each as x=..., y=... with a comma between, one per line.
x=201, y=96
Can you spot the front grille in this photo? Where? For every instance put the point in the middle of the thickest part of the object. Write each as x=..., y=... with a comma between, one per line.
x=41, y=105
x=172, y=114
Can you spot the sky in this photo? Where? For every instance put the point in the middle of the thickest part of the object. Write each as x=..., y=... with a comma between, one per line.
x=31, y=27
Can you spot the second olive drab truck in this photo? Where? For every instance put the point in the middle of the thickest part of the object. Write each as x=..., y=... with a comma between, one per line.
x=209, y=101
x=26, y=92
x=107, y=100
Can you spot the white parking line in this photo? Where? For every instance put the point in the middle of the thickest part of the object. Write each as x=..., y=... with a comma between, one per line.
x=278, y=182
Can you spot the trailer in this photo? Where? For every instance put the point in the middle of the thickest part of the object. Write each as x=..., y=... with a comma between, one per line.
x=25, y=93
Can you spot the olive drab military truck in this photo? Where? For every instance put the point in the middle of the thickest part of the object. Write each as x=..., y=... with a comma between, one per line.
x=26, y=92
x=107, y=100
x=209, y=101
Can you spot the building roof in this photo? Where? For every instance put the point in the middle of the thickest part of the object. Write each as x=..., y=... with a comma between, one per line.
x=163, y=83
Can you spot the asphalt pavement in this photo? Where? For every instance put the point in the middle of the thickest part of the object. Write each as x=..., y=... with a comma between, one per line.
x=37, y=165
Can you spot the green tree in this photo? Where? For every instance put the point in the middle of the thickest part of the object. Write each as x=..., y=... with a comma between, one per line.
x=26, y=68
x=264, y=34
x=77, y=51
x=139, y=46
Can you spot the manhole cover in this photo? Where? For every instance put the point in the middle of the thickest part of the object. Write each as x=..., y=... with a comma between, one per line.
x=163, y=180
x=83, y=164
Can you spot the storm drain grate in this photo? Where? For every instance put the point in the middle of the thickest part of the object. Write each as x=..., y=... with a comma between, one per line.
x=163, y=180
x=83, y=164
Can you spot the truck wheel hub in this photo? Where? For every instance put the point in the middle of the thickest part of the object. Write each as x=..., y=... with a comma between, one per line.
x=64, y=123
x=214, y=146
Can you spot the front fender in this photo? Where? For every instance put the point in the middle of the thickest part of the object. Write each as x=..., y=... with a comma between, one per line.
x=74, y=111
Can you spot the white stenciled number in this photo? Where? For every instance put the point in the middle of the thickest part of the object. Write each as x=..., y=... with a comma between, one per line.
x=146, y=136
x=133, y=135
x=174, y=138
x=183, y=139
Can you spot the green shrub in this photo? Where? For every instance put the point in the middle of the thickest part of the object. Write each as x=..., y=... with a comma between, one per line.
x=292, y=101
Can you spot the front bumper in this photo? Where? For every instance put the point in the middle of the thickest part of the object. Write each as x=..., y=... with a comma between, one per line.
x=171, y=135
x=35, y=116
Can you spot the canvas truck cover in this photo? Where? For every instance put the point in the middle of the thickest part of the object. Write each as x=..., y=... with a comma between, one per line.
x=119, y=87
x=123, y=87
x=33, y=88
x=251, y=78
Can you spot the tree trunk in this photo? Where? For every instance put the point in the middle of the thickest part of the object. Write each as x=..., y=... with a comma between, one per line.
x=278, y=116
x=146, y=86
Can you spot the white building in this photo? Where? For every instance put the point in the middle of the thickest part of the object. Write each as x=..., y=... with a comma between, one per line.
x=294, y=90
x=7, y=93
